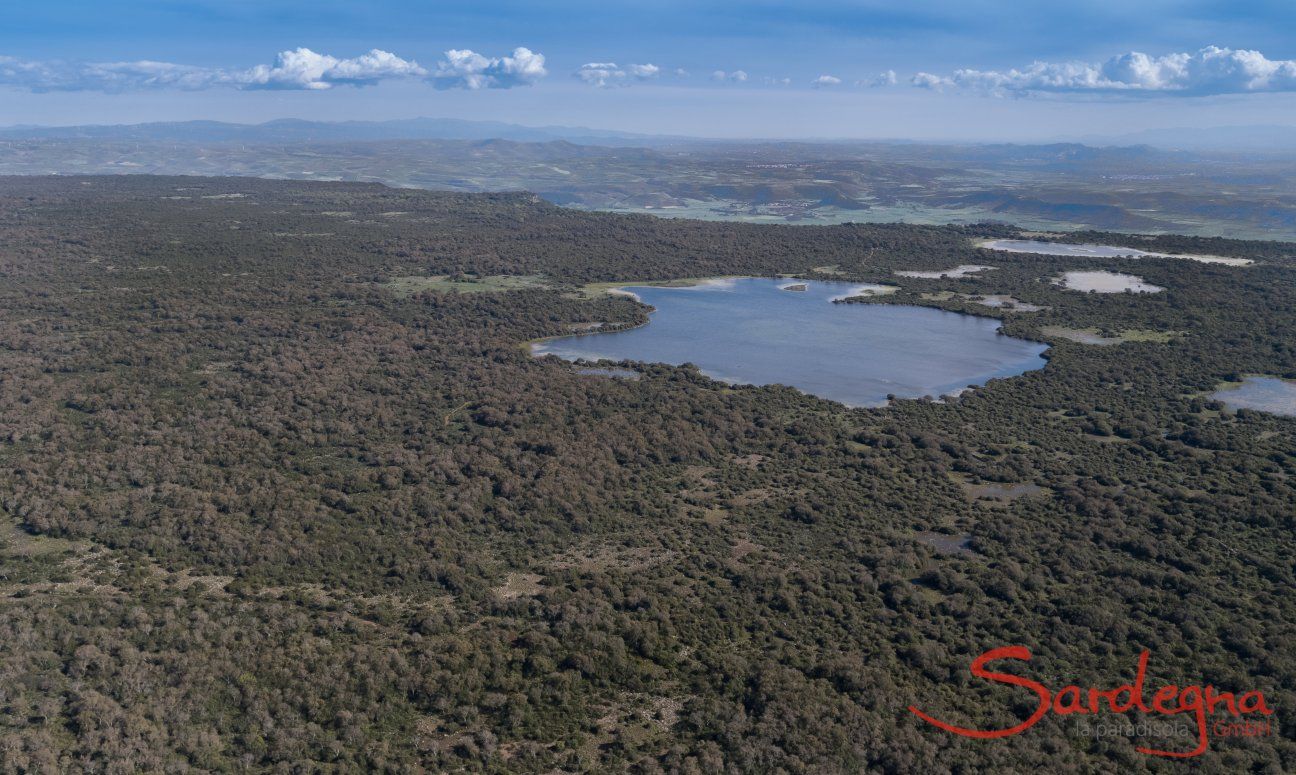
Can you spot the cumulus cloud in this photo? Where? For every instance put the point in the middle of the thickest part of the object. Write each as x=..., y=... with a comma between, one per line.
x=1212, y=70
x=297, y=69
x=737, y=76
x=884, y=78
x=598, y=73
x=305, y=69
x=930, y=81
x=605, y=74
x=825, y=80
x=466, y=69
x=644, y=71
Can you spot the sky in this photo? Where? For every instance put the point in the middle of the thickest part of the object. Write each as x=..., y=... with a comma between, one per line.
x=968, y=70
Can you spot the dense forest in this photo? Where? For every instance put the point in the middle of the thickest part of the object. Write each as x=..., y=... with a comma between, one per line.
x=260, y=511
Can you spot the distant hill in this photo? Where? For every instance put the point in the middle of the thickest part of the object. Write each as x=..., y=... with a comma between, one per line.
x=1248, y=138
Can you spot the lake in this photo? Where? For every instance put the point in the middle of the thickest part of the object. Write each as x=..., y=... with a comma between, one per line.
x=1265, y=394
x=751, y=331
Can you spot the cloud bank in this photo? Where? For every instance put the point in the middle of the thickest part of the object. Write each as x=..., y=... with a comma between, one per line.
x=297, y=69
x=1212, y=70
x=104, y=76
x=1209, y=71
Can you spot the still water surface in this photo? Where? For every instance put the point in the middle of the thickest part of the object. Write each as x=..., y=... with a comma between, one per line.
x=1266, y=394
x=750, y=331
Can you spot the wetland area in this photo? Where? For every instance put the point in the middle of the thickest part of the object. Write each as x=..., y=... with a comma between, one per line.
x=1098, y=251
x=1105, y=282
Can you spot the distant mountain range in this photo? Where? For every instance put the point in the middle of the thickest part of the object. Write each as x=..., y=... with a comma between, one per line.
x=1244, y=138
x=300, y=131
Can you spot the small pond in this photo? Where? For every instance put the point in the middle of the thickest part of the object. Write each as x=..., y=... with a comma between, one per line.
x=1265, y=394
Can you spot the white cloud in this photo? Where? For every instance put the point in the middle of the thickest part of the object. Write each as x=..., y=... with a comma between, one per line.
x=884, y=78
x=1212, y=70
x=737, y=76
x=643, y=72
x=297, y=69
x=929, y=81
x=825, y=80
x=305, y=69
x=466, y=69
x=777, y=81
x=599, y=73
x=605, y=74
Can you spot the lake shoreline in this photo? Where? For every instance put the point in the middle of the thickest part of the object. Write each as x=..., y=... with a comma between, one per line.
x=621, y=289
x=759, y=334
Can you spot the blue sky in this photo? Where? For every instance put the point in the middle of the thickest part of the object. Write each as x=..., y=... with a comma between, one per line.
x=965, y=70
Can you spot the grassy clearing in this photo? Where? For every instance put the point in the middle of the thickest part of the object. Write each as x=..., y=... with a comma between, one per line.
x=29, y=562
x=16, y=542
x=408, y=286
x=1148, y=335
x=1095, y=336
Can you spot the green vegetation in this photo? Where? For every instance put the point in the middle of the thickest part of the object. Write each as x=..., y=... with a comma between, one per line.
x=266, y=515
x=1095, y=336
x=408, y=286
